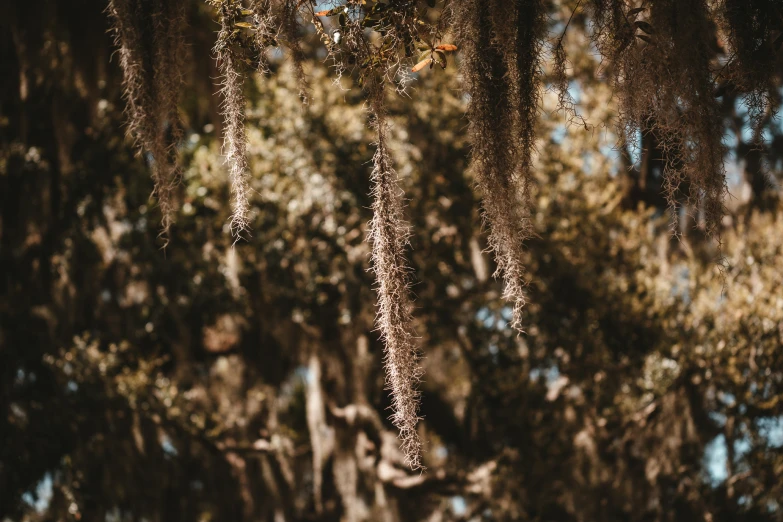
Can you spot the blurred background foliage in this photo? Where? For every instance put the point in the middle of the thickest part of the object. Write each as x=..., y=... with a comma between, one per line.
x=219, y=381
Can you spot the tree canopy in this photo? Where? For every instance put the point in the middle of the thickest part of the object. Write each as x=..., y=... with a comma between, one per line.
x=631, y=334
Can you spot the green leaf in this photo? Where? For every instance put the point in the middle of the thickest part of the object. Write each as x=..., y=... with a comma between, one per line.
x=644, y=26
x=645, y=38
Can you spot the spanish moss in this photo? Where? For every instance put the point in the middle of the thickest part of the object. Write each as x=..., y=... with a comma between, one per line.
x=169, y=50
x=524, y=57
x=265, y=33
x=500, y=159
x=751, y=28
x=290, y=30
x=661, y=59
x=150, y=42
x=234, y=140
x=388, y=234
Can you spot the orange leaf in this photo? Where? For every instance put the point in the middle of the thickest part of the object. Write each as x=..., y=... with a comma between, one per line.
x=421, y=65
x=446, y=47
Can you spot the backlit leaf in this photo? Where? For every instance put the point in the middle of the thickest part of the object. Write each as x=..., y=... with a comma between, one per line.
x=421, y=65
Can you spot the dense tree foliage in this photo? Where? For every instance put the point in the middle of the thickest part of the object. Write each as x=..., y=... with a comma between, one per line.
x=242, y=378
